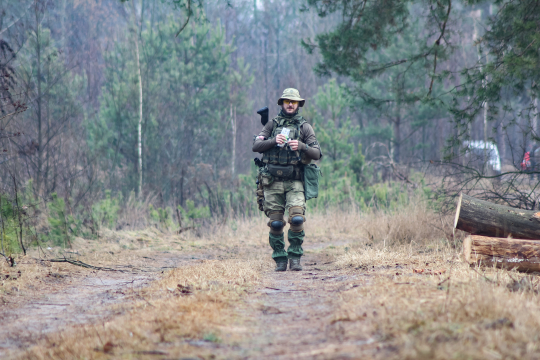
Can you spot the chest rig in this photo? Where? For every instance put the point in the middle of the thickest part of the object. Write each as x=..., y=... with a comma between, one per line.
x=282, y=162
x=284, y=155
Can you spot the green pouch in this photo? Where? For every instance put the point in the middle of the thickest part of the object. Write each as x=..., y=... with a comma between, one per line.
x=265, y=177
x=312, y=173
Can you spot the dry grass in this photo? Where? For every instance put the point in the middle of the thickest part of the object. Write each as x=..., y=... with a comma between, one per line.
x=415, y=223
x=448, y=311
x=190, y=302
x=186, y=303
x=459, y=314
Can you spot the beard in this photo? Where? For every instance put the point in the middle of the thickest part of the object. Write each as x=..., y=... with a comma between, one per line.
x=289, y=111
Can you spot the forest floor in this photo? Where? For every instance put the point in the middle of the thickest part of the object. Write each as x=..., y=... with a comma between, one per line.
x=214, y=295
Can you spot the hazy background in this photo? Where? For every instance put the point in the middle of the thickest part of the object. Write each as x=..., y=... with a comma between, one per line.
x=394, y=91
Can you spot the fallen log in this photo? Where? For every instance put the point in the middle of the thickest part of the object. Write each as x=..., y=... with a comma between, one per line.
x=504, y=253
x=479, y=217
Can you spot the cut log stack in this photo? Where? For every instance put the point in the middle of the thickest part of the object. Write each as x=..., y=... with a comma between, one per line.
x=500, y=236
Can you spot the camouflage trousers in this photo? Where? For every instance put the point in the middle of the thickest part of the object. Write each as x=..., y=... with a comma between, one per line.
x=278, y=197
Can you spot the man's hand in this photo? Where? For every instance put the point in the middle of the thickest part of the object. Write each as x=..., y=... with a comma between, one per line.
x=280, y=139
x=293, y=144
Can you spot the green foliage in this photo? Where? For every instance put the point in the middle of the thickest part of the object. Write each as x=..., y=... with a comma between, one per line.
x=507, y=76
x=211, y=337
x=45, y=74
x=385, y=51
x=161, y=216
x=194, y=212
x=63, y=226
x=357, y=163
x=9, y=228
x=335, y=133
x=348, y=180
x=105, y=211
x=190, y=87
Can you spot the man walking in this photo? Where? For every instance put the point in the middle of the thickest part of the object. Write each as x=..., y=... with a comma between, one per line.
x=287, y=143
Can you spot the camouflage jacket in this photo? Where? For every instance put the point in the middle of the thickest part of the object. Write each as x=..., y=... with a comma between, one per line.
x=307, y=142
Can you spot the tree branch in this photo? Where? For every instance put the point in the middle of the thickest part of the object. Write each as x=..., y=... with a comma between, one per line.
x=438, y=42
x=187, y=20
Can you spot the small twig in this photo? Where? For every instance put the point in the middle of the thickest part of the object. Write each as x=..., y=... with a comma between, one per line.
x=438, y=42
x=448, y=288
x=485, y=277
x=187, y=20
x=179, y=220
x=442, y=282
x=13, y=113
x=6, y=258
x=186, y=229
x=151, y=352
x=84, y=265
x=142, y=297
x=51, y=304
x=524, y=50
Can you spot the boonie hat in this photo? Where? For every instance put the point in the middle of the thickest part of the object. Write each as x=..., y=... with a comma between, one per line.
x=291, y=94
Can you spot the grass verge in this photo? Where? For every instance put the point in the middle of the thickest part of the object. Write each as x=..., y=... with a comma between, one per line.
x=419, y=305
x=186, y=304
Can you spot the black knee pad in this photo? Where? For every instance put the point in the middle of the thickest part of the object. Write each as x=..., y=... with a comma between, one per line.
x=296, y=218
x=277, y=225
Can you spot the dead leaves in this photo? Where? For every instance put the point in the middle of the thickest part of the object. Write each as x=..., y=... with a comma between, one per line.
x=108, y=347
x=182, y=289
x=429, y=272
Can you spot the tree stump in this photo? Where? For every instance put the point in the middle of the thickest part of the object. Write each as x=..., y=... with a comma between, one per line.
x=504, y=253
x=479, y=217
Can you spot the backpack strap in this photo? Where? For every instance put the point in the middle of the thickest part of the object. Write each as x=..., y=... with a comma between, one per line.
x=275, y=123
x=300, y=123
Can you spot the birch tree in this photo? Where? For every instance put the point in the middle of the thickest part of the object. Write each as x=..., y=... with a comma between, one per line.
x=136, y=29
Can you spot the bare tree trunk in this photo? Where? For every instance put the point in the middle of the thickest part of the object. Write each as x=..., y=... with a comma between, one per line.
x=2, y=236
x=139, y=126
x=486, y=109
x=535, y=119
x=397, y=139
x=48, y=138
x=277, y=74
x=233, y=126
x=19, y=214
x=63, y=26
x=266, y=68
x=501, y=142
x=396, y=143
x=39, y=103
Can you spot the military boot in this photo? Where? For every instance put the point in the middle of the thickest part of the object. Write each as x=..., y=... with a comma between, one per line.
x=295, y=264
x=281, y=265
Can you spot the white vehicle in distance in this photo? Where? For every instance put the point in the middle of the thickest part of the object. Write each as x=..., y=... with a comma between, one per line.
x=474, y=156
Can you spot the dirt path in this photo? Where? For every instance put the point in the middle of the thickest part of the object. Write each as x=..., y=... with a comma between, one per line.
x=81, y=299
x=295, y=316
x=291, y=315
